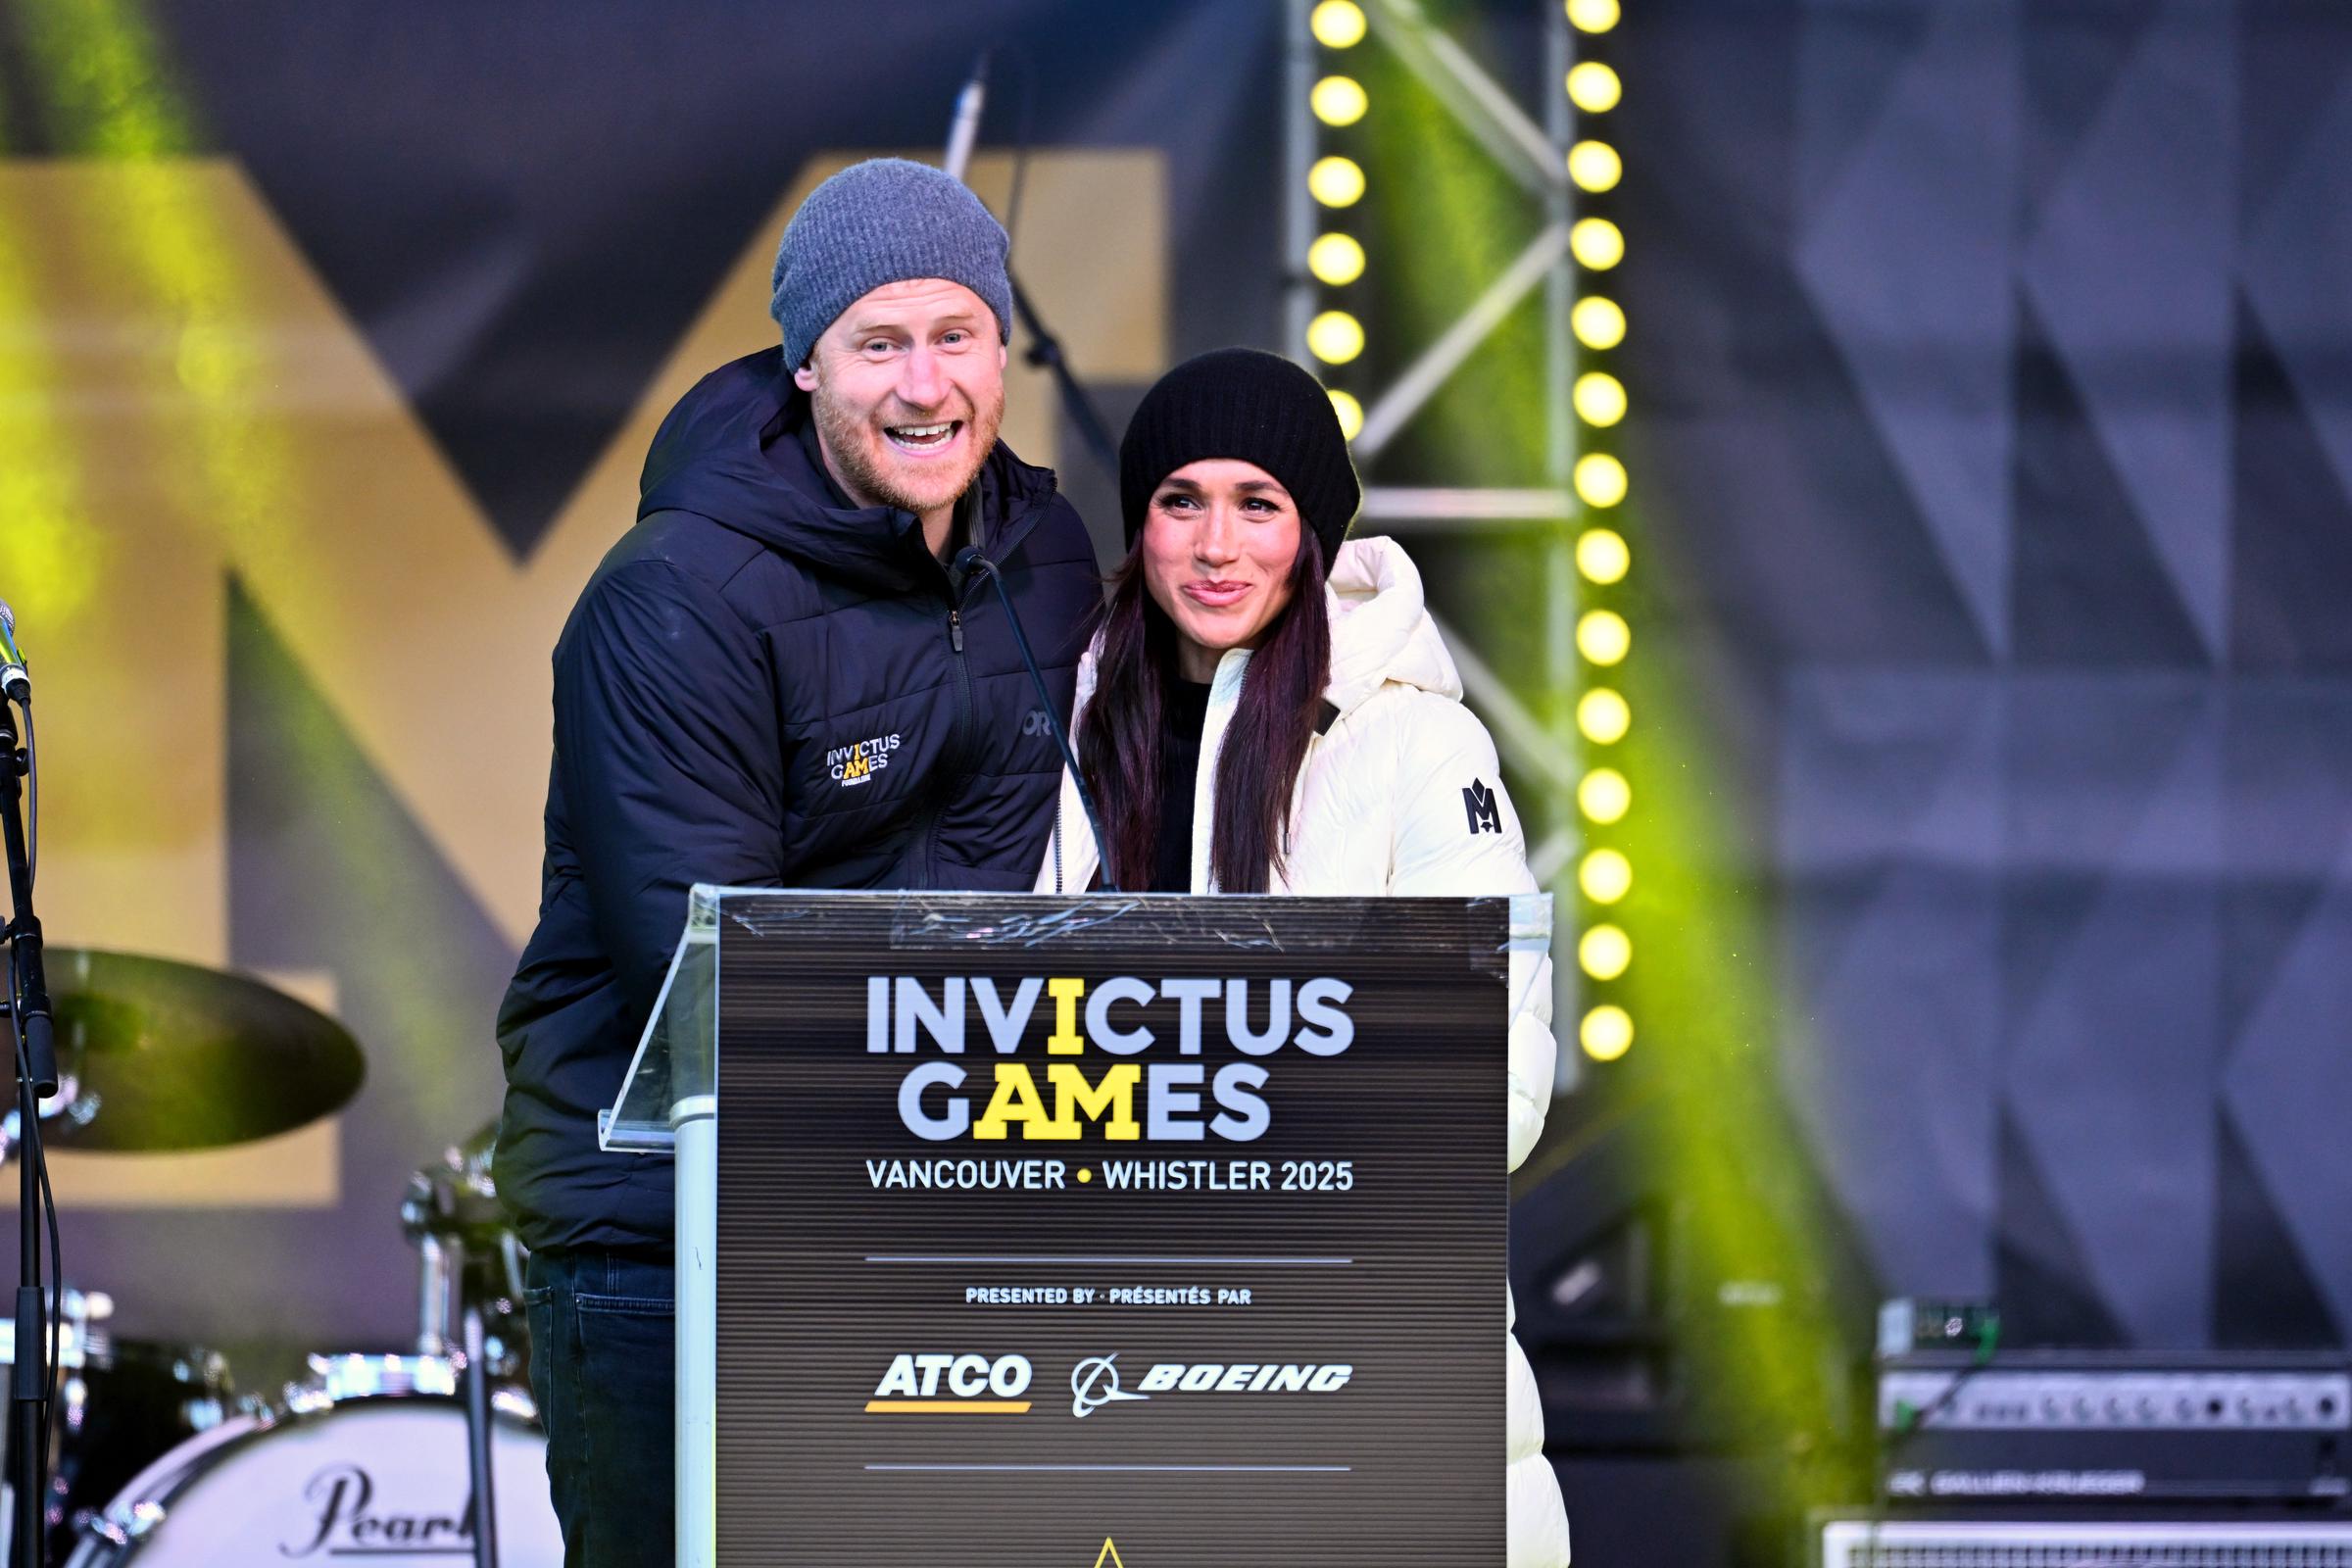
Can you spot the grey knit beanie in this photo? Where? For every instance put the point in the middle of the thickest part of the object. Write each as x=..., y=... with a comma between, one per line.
x=885, y=220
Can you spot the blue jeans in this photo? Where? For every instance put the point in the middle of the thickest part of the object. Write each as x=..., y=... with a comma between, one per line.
x=602, y=1347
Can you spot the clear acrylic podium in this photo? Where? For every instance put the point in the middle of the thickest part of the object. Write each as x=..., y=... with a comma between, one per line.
x=1443, y=1046
x=669, y=1104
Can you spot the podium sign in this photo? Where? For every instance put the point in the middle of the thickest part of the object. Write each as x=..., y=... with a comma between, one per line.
x=1156, y=1230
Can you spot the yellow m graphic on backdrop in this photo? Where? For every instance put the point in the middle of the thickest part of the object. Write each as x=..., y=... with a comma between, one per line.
x=181, y=400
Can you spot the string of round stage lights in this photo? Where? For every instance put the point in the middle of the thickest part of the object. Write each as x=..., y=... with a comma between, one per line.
x=1336, y=258
x=1603, y=636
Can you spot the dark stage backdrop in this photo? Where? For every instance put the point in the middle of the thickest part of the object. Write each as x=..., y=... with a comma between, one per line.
x=1995, y=428
x=2000, y=425
x=333, y=339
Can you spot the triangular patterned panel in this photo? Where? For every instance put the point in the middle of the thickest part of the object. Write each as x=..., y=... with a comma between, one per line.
x=2264, y=1297
x=1908, y=262
x=1849, y=59
x=2074, y=51
x=2298, y=255
x=1890, y=1050
x=2042, y=913
x=2110, y=1066
x=2089, y=762
x=2288, y=1087
x=2089, y=588
x=2287, y=810
x=2130, y=268
x=2292, y=545
x=2294, y=59
x=2040, y=1279
x=2262, y=919
x=1879, y=766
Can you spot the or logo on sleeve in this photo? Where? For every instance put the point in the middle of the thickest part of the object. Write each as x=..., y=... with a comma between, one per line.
x=1486, y=812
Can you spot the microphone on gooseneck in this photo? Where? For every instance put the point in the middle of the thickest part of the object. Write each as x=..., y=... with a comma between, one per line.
x=15, y=679
x=963, y=128
x=969, y=561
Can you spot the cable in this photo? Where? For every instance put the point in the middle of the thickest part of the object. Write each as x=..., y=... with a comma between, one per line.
x=29, y=1142
x=33, y=809
x=1020, y=146
x=1907, y=1424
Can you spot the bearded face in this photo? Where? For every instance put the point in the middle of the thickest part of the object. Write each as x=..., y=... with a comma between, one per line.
x=907, y=388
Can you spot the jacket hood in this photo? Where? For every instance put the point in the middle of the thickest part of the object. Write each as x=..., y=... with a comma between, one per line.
x=731, y=452
x=1381, y=628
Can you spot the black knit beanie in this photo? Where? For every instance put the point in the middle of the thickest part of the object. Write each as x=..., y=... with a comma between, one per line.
x=1250, y=406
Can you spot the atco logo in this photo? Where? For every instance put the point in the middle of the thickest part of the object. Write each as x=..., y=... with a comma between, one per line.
x=859, y=761
x=920, y=1382
x=1095, y=1382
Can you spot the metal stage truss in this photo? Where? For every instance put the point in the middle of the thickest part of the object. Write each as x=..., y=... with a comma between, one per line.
x=1536, y=733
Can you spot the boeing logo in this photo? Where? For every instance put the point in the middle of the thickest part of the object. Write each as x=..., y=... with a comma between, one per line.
x=1095, y=1382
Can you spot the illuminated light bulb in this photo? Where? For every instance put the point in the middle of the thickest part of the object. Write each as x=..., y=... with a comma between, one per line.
x=1336, y=260
x=1605, y=875
x=1596, y=243
x=1606, y=1033
x=1599, y=480
x=1601, y=555
x=1603, y=716
x=1594, y=88
x=1602, y=636
x=1605, y=795
x=1605, y=953
x=1338, y=23
x=1335, y=337
x=1594, y=166
x=1350, y=412
x=1335, y=182
x=1591, y=15
x=1599, y=323
x=1339, y=100
x=1599, y=399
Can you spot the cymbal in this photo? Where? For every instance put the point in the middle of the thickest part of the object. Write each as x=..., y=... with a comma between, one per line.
x=153, y=1056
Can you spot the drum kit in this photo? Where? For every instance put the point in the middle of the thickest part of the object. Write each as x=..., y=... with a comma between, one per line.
x=156, y=1459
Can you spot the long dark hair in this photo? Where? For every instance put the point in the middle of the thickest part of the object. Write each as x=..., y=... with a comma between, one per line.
x=1282, y=692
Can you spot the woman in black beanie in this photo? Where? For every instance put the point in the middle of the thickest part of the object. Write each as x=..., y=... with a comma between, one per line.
x=1267, y=708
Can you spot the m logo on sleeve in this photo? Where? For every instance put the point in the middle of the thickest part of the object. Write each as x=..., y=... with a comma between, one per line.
x=1486, y=812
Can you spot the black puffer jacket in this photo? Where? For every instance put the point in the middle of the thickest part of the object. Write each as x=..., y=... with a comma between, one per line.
x=763, y=687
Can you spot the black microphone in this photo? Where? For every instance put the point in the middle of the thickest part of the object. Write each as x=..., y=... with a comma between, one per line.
x=965, y=128
x=969, y=560
x=15, y=679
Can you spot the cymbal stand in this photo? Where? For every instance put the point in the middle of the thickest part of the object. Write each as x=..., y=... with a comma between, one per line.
x=35, y=1049
x=443, y=1214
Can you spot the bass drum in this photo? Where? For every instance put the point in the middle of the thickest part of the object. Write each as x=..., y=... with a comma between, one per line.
x=381, y=1477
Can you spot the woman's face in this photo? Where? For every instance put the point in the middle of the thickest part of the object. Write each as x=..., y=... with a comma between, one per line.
x=1220, y=537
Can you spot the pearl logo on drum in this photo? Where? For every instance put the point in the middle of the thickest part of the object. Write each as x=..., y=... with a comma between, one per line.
x=345, y=1495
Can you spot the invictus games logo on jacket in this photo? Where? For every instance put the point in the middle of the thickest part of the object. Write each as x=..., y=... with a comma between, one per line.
x=859, y=761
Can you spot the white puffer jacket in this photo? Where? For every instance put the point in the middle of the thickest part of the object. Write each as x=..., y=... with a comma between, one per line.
x=1380, y=812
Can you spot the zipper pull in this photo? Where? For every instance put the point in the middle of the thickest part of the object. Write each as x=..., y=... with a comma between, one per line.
x=955, y=630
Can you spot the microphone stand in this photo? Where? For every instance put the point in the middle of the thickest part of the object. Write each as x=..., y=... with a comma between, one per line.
x=1044, y=348
x=30, y=1031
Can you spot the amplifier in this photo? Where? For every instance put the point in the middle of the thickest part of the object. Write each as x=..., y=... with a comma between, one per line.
x=2076, y=1544
x=2051, y=1424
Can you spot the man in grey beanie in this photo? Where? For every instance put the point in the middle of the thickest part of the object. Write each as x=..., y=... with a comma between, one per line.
x=779, y=677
